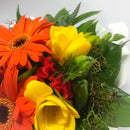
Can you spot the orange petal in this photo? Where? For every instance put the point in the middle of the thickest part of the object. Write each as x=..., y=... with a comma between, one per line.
x=32, y=24
x=37, y=47
x=17, y=54
x=19, y=27
x=11, y=61
x=6, y=33
x=27, y=23
x=3, y=41
x=9, y=86
x=40, y=37
x=21, y=24
x=28, y=65
x=15, y=29
x=33, y=56
x=23, y=58
x=3, y=48
x=5, y=58
x=38, y=26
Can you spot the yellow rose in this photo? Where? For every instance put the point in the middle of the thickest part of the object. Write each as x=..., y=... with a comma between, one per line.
x=66, y=42
x=52, y=113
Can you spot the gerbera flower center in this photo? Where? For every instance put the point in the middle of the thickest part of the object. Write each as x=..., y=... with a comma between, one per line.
x=19, y=41
x=6, y=113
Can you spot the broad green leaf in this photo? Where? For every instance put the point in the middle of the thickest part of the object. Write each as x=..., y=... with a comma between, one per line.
x=84, y=16
x=18, y=14
x=119, y=116
x=117, y=37
x=112, y=54
x=50, y=18
x=83, y=27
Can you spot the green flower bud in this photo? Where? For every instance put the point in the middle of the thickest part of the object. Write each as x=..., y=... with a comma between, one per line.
x=80, y=90
x=93, y=39
x=83, y=64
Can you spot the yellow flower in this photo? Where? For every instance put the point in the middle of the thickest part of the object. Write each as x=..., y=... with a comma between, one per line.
x=66, y=42
x=52, y=113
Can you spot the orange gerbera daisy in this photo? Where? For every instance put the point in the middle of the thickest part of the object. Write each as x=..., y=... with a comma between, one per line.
x=16, y=112
x=26, y=38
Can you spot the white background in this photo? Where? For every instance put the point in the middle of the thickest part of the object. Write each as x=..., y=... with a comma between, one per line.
x=112, y=11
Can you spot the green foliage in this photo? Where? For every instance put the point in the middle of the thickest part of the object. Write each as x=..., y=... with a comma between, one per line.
x=85, y=26
x=119, y=116
x=117, y=37
x=18, y=15
x=84, y=16
x=78, y=67
x=28, y=73
x=63, y=18
x=112, y=53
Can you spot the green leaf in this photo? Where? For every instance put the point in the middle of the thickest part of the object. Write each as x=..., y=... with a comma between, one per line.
x=73, y=15
x=83, y=27
x=63, y=13
x=119, y=116
x=28, y=73
x=112, y=54
x=117, y=37
x=84, y=16
x=50, y=18
x=18, y=15
x=92, y=28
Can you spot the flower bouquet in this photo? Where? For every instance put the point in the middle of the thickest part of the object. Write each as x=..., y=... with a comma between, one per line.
x=58, y=74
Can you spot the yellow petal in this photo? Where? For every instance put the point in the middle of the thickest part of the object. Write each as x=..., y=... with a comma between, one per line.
x=52, y=114
x=78, y=47
x=72, y=110
x=36, y=90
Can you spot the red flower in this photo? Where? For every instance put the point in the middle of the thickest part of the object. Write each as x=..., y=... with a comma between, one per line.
x=45, y=72
x=63, y=88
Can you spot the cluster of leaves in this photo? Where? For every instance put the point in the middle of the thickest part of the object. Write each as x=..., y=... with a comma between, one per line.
x=63, y=18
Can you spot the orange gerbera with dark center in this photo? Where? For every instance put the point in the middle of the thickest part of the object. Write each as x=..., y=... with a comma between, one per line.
x=16, y=111
x=26, y=38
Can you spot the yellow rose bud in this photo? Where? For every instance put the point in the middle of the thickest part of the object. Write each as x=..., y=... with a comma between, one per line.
x=66, y=42
x=52, y=113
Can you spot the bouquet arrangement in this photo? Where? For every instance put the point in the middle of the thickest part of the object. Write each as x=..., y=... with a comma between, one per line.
x=57, y=76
